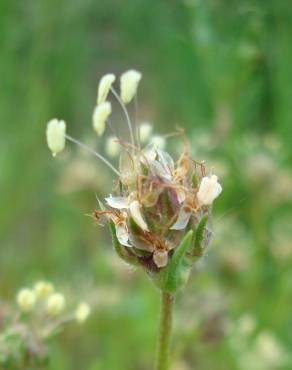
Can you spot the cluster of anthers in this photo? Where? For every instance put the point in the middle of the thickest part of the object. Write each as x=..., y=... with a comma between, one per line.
x=156, y=200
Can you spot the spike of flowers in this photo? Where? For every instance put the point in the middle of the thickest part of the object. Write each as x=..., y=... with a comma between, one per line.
x=129, y=84
x=104, y=87
x=159, y=212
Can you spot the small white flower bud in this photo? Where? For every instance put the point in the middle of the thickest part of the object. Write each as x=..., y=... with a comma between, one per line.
x=26, y=299
x=129, y=84
x=104, y=87
x=43, y=289
x=100, y=115
x=209, y=190
x=135, y=211
x=56, y=304
x=145, y=130
x=158, y=142
x=82, y=312
x=112, y=146
x=56, y=131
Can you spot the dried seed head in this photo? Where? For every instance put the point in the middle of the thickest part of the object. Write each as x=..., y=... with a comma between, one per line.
x=104, y=87
x=100, y=115
x=129, y=84
x=56, y=132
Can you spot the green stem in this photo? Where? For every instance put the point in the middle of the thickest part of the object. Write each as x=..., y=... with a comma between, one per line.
x=167, y=303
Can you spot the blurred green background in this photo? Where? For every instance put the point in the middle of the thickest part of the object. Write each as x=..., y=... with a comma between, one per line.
x=220, y=69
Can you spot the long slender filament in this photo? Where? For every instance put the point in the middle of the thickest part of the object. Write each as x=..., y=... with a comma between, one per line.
x=130, y=126
x=92, y=151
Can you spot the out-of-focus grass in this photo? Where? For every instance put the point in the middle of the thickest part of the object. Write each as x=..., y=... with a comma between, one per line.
x=220, y=69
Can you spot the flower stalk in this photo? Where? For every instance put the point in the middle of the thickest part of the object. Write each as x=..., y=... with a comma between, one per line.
x=165, y=328
x=160, y=209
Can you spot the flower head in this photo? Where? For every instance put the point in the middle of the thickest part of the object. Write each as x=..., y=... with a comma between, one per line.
x=26, y=299
x=129, y=85
x=160, y=209
x=104, y=87
x=56, y=132
x=100, y=115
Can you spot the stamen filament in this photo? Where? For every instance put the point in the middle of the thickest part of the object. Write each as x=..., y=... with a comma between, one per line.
x=92, y=151
x=116, y=95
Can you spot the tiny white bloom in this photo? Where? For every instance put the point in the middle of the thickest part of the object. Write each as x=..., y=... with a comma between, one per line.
x=112, y=146
x=209, y=190
x=129, y=83
x=56, y=136
x=104, y=86
x=122, y=234
x=182, y=218
x=117, y=202
x=158, y=142
x=145, y=130
x=56, y=304
x=43, y=289
x=26, y=299
x=100, y=115
x=135, y=211
x=82, y=312
x=160, y=258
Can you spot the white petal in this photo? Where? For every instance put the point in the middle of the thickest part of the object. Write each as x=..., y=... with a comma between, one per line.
x=209, y=190
x=122, y=234
x=137, y=216
x=117, y=202
x=104, y=87
x=159, y=169
x=182, y=219
x=160, y=258
x=166, y=160
x=100, y=115
x=129, y=84
x=181, y=195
